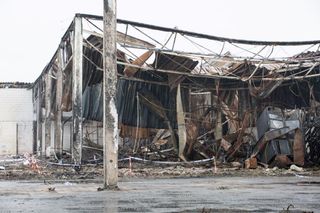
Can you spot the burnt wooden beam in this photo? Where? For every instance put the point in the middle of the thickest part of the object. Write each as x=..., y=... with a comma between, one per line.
x=77, y=92
x=110, y=114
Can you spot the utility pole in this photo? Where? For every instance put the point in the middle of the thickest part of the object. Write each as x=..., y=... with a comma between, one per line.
x=77, y=92
x=110, y=114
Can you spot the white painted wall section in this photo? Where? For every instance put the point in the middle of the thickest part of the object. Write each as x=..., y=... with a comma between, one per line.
x=16, y=108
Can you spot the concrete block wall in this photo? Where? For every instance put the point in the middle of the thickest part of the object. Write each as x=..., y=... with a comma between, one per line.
x=16, y=111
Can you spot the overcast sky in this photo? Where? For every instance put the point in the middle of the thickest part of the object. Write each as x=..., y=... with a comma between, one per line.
x=31, y=29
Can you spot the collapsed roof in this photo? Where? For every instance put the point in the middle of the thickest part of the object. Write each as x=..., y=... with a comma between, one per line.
x=216, y=75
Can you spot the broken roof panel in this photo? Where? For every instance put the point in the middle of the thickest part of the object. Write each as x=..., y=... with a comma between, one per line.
x=15, y=85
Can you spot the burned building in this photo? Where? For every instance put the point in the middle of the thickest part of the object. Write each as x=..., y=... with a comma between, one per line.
x=181, y=103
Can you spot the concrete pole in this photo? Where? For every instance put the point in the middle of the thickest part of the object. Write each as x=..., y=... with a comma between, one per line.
x=58, y=114
x=77, y=92
x=39, y=120
x=110, y=114
x=47, y=124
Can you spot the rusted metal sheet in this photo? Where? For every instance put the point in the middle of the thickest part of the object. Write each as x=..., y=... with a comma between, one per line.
x=174, y=80
x=192, y=134
x=251, y=163
x=245, y=124
x=200, y=102
x=229, y=104
x=225, y=144
x=134, y=132
x=130, y=71
x=174, y=62
x=281, y=161
x=265, y=89
x=298, y=148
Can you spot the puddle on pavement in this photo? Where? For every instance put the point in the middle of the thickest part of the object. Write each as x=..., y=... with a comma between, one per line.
x=210, y=210
x=307, y=183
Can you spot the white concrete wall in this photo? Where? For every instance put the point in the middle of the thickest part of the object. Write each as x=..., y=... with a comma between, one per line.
x=16, y=108
x=67, y=129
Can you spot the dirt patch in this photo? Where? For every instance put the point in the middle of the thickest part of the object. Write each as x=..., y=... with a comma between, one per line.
x=45, y=171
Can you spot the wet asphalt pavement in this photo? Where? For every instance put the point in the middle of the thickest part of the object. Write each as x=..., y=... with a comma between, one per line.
x=223, y=194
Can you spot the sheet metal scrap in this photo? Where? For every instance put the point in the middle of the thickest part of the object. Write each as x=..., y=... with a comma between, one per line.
x=130, y=71
x=312, y=141
x=175, y=63
x=155, y=105
x=280, y=135
x=268, y=136
x=245, y=124
x=265, y=88
x=192, y=134
x=251, y=163
x=281, y=159
x=229, y=104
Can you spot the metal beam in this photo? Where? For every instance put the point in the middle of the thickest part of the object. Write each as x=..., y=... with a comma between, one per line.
x=110, y=114
x=206, y=36
x=77, y=92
